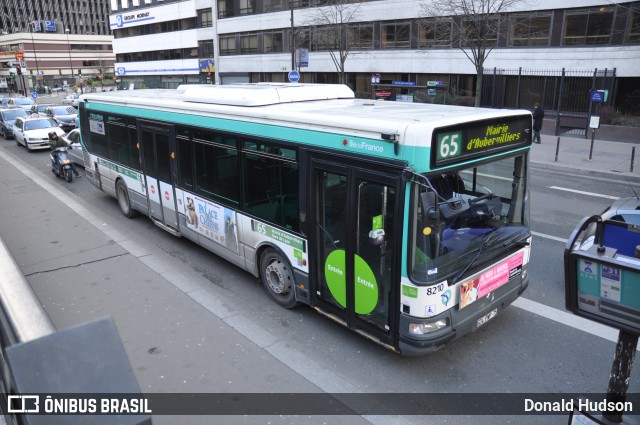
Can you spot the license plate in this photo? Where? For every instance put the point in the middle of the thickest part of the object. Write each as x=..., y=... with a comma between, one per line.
x=484, y=319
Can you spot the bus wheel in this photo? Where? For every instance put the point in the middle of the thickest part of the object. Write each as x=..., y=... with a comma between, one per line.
x=122, y=194
x=277, y=278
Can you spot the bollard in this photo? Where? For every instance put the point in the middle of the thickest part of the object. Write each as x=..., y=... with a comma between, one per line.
x=621, y=368
x=621, y=373
x=593, y=136
x=557, y=148
x=633, y=156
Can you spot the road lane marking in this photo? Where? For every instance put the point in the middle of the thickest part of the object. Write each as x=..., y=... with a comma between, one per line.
x=568, y=319
x=553, y=238
x=582, y=192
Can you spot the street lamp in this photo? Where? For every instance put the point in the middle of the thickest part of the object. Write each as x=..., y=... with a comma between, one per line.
x=292, y=39
x=67, y=30
x=33, y=47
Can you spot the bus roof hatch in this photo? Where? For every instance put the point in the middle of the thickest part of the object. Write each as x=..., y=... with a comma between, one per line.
x=260, y=94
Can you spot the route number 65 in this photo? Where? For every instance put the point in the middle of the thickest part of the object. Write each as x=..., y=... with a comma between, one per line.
x=449, y=145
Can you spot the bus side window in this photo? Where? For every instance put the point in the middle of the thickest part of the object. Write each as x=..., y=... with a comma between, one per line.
x=209, y=181
x=271, y=189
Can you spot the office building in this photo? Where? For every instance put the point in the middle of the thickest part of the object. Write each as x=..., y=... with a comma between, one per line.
x=79, y=16
x=166, y=43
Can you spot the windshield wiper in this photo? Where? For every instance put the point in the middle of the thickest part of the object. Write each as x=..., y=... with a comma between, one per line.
x=517, y=240
x=485, y=242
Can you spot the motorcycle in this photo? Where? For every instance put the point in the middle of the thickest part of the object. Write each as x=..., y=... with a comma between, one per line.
x=63, y=168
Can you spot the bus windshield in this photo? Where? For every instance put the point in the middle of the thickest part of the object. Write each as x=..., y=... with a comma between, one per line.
x=467, y=215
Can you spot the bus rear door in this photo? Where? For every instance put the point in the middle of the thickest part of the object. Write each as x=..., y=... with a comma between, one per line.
x=157, y=144
x=355, y=232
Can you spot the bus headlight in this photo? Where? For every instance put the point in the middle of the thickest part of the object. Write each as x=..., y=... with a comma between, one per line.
x=425, y=328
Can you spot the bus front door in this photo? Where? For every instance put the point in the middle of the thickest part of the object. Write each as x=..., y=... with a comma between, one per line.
x=156, y=162
x=355, y=233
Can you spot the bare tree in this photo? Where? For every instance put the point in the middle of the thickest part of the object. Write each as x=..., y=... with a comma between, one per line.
x=474, y=26
x=330, y=30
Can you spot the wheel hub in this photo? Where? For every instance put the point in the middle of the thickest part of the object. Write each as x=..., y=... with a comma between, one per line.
x=276, y=277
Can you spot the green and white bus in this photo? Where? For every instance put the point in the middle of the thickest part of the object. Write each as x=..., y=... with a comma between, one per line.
x=407, y=223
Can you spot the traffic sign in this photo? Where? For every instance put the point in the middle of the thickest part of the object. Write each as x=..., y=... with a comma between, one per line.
x=294, y=76
x=375, y=78
x=34, y=94
x=597, y=96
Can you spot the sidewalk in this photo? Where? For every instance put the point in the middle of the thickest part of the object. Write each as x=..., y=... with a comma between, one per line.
x=609, y=158
x=181, y=333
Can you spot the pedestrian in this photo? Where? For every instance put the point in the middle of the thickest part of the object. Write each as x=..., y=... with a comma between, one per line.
x=538, y=117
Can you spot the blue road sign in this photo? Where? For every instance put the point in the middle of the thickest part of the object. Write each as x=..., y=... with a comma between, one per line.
x=50, y=26
x=34, y=94
x=597, y=96
x=294, y=76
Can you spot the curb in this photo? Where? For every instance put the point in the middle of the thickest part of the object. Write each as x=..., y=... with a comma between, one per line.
x=622, y=176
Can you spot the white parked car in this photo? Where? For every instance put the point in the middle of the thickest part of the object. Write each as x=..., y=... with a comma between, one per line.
x=33, y=132
x=71, y=99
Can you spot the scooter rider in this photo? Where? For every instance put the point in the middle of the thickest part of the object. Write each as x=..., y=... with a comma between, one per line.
x=56, y=142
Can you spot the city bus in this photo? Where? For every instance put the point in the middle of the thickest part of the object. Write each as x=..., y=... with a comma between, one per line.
x=406, y=223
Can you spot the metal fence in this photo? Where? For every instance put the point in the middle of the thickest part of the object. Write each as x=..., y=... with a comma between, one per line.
x=565, y=94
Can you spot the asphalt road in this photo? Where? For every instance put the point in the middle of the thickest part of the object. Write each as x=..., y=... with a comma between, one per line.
x=531, y=347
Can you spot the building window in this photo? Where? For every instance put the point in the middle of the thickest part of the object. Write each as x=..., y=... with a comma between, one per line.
x=275, y=5
x=361, y=36
x=302, y=38
x=247, y=7
x=633, y=36
x=396, y=35
x=273, y=42
x=480, y=32
x=156, y=55
x=324, y=39
x=228, y=45
x=225, y=8
x=590, y=26
x=529, y=30
x=205, y=48
x=298, y=4
x=248, y=43
x=434, y=33
x=205, y=18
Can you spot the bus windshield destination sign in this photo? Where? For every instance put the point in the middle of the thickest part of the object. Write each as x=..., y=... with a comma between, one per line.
x=478, y=139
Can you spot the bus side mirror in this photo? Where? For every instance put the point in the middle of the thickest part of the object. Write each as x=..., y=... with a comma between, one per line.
x=428, y=202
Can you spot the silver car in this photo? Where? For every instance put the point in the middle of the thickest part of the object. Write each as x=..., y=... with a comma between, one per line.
x=71, y=99
x=76, y=153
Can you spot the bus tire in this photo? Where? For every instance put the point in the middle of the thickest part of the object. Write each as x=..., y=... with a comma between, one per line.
x=122, y=195
x=277, y=278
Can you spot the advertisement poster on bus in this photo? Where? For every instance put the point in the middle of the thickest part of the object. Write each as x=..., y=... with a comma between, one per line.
x=490, y=280
x=211, y=220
